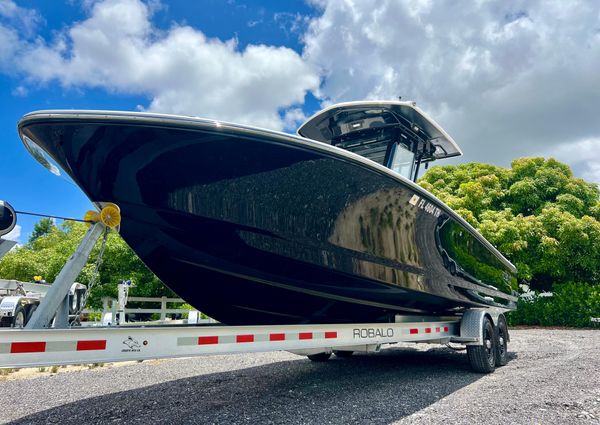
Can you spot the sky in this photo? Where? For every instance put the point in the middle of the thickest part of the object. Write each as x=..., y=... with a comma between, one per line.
x=505, y=78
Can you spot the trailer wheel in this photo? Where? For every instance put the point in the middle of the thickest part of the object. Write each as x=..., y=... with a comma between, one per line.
x=483, y=357
x=344, y=354
x=20, y=317
x=501, y=342
x=319, y=357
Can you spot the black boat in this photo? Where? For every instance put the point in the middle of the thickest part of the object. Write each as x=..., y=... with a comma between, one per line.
x=253, y=226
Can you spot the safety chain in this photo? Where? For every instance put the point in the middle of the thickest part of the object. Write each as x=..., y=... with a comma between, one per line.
x=93, y=279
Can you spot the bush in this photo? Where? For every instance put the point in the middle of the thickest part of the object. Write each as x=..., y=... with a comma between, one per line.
x=545, y=220
x=572, y=304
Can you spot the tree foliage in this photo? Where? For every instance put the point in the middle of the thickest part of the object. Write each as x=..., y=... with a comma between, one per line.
x=41, y=228
x=546, y=221
x=571, y=304
x=45, y=255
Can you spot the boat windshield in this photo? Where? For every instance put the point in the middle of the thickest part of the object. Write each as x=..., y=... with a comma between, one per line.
x=402, y=160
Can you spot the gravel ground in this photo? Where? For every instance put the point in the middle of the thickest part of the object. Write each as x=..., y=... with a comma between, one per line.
x=553, y=378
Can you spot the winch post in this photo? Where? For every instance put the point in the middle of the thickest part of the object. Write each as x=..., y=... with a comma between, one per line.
x=59, y=291
x=62, y=314
x=5, y=246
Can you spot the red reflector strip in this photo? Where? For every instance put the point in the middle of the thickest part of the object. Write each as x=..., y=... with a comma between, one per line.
x=437, y=329
x=276, y=337
x=28, y=347
x=445, y=328
x=427, y=330
x=305, y=335
x=414, y=331
x=332, y=334
x=244, y=338
x=99, y=344
x=203, y=340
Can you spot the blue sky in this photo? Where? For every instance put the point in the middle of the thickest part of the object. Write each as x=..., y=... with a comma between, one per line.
x=505, y=78
x=28, y=186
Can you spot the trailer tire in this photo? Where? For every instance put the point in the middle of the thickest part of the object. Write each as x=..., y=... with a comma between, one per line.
x=501, y=342
x=30, y=312
x=20, y=317
x=343, y=354
x=483, y=357
x=319, y=357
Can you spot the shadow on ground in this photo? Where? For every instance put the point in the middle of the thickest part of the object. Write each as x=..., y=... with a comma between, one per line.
x=375, y=388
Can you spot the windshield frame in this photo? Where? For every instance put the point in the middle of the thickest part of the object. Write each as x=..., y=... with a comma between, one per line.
x=399, y=148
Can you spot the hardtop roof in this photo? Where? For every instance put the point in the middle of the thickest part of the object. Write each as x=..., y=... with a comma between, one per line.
x=318, y=127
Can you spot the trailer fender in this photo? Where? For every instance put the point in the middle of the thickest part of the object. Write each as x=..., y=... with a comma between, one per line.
x=8, y=305
x=471, y=325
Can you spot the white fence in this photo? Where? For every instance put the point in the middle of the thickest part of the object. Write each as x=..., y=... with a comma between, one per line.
x=113, y=313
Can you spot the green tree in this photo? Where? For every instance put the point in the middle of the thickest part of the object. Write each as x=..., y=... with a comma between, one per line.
x=46, y=254
x=41, y=228
x=537, y=213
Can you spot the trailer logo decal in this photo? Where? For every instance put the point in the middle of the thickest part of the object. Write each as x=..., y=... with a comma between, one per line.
x=363, y=333
x=132, y=344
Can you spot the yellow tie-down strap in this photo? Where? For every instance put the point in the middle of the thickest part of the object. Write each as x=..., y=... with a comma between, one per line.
x=110, y=216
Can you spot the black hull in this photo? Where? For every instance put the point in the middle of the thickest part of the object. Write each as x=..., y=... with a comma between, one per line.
x=254, y=227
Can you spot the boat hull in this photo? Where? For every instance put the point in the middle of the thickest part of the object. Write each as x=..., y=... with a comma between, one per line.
x=255, y=227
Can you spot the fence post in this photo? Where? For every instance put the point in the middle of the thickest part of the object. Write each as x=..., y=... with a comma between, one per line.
x=104, y=307
x=163, y=307
x=113, y=311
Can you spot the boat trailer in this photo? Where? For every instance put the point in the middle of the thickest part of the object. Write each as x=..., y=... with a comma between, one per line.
x=46, y=342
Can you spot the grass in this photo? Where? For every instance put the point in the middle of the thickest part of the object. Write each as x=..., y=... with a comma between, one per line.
x=7, y=371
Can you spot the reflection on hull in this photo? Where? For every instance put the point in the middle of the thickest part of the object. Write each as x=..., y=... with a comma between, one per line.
x=254, y=227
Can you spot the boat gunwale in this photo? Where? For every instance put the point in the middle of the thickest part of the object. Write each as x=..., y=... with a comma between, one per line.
x=196, y=123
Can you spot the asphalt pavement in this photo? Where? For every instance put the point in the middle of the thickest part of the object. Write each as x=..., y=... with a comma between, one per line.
x=553, y=378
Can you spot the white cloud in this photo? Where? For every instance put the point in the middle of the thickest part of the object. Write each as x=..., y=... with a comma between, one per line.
x=293, y=118
x=583, y=157
x=180, y=70
x=506, y=78
x=20, y=18
x=291, y=23
x=9, y=40
x=20, y=91
x=14, y=234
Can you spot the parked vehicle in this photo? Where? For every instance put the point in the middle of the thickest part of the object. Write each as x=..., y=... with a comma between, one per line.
x=19, y=300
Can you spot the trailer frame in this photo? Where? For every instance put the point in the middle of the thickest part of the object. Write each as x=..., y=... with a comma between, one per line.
x=39, y=344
